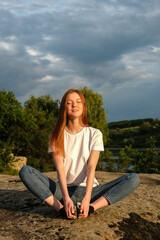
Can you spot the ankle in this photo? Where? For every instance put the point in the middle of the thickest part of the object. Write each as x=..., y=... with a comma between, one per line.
x=58, y=207
x=54, y=202
x=93, y=205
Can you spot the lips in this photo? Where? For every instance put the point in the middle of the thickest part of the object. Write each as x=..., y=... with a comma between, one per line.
x=75, y=110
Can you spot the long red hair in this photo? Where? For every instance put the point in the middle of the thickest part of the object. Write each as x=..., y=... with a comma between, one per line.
x=56, y=139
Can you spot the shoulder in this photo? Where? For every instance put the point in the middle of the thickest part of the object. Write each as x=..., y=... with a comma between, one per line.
x=94, y=131
x=96, y=139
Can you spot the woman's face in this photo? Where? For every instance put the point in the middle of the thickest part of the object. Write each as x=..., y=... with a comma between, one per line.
x=74, y=105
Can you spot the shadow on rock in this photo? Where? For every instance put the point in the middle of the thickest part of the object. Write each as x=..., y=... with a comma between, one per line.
x=149, y=180
x=137, y=228
x=24, y=201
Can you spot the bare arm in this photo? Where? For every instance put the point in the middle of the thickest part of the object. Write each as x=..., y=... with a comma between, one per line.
x=68, y=204
x=91, y=166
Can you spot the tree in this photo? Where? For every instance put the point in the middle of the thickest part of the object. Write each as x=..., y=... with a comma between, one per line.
x=16, y=127
x=107, y=158
x=148, y=162
x=125, y=158
x=43, y=108
x=96, y=115
x=6, y=156
x=145, y=127
x=144, y=162
x=10, y=121
x=44, y=111
x=96, y=112
x=10, y=116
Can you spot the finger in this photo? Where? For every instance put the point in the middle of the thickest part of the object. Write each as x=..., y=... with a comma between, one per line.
x=81, y=209
x=71, y=215
x=72, y=210
x=67, y=212
x=82, y=215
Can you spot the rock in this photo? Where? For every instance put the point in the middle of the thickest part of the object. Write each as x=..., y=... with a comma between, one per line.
x=18, y=163
x=23, y=216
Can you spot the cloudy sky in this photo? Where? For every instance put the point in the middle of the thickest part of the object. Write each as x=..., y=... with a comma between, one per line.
x=110, y=46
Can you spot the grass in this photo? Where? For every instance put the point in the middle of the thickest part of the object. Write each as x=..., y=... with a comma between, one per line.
x=9, y=171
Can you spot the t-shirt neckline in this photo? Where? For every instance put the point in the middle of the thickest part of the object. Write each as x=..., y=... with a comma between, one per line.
x=75, y=133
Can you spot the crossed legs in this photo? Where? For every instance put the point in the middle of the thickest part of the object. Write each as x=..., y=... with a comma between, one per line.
x=102, y=195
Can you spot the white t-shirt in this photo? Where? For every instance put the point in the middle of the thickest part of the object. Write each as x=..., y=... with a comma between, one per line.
x=78, y=148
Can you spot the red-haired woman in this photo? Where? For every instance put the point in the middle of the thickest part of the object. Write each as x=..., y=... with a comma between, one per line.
x=75, y=147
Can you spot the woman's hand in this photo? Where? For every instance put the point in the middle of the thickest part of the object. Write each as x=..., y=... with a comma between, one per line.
x=84, y=208
x=91, y=166
x=69, y=208
x=68, y=204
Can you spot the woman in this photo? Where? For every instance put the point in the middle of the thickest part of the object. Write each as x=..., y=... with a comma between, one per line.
x=75, y=147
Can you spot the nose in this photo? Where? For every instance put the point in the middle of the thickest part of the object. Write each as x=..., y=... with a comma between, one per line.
x=74, y=104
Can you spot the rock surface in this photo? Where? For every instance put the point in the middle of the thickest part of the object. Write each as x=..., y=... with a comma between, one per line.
x=18, y=162
x=23, y=216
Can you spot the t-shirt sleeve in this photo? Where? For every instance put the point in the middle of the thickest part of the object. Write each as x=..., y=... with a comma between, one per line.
x=50, y=150
x=97, y=141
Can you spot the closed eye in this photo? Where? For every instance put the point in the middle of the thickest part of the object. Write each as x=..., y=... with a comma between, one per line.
x=69, y=102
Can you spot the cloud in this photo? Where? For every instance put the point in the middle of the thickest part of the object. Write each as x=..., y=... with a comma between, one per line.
x=32, y=52
x=46, y=79
x=6, y=46
x=110, y=46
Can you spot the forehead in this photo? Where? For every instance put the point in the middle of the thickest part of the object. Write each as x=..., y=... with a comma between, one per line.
x=72, y=96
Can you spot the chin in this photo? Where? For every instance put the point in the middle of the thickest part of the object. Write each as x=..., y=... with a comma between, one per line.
x=76, y=114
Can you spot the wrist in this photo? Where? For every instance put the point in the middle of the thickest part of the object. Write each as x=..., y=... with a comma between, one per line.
x=66, y=198
x=87, y=198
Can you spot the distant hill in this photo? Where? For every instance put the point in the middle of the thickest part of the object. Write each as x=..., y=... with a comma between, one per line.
x=133, y=132
x=129, y=123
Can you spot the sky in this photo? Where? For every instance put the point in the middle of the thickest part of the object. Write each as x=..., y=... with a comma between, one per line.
x=109, y=46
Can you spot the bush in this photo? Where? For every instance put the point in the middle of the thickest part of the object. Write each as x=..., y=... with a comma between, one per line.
x=6, y=156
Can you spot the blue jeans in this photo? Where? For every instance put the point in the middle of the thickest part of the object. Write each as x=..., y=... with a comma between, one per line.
x=43, y=187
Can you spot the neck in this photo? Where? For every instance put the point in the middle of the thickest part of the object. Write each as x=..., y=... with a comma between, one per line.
x=74, y=126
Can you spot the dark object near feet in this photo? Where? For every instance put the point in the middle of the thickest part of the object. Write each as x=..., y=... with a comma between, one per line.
x=91, y=210
x=62, y=213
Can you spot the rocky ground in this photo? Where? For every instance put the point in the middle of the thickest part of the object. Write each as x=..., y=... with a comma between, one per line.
x=23, y=216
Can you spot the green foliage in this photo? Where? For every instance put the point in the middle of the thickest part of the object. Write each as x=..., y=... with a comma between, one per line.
x=107, y=158
x=10, y=116
x=6, y=156
x=24, y=132
x=16, y=125
x=96, y=115
x=145, y=127
x=141, y=161
x=101, y=157
x=10, y=127
x=125, y=158
x=130, y=132
x=129, y=123
x=10, y=171
x=148, y=162
x=44, y=111
x=95, y=111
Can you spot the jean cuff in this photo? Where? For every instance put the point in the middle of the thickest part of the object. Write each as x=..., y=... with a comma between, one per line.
x=108, y=199
x=50, y=194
